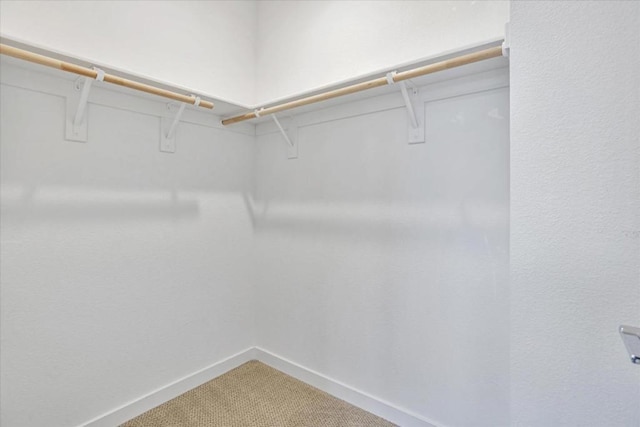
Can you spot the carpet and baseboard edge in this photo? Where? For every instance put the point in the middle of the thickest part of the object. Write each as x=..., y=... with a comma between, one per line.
x=342, y=391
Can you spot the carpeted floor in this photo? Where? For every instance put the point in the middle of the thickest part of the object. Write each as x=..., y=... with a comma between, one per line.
x=253, y=395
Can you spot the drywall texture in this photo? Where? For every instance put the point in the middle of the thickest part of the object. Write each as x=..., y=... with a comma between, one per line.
x=206, y=46
x=575, y=204
x=123, y=268
x=305, y=45
x=384, y=265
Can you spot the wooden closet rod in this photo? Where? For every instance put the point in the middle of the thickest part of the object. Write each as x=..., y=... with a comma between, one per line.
x=489, y=53
x=88, y=72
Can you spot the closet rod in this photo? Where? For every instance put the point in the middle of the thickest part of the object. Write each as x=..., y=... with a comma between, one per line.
x=481, y=55
x=88, y=72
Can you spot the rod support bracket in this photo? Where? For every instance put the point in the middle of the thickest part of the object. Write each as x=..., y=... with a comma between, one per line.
x=76, y=118
x=291, y=137
x=415, y=129
x=631, y=338
x=506, y=43
x=168, y=126
x=415, y=109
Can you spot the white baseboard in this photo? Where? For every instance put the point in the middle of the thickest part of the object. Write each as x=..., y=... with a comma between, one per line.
x=168, y=392
x=358, y=398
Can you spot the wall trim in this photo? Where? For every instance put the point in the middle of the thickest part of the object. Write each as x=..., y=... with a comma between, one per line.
x=163, y=394
x=377, y=406
x=473, y=82
x=55, y=83
x=386, y=410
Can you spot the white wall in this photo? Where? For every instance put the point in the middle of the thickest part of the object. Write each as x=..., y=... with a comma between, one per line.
x=575, y=204
x=304, y=45
x=206, y=46
x=373, y=256
x=123, y=268
x=384, y=265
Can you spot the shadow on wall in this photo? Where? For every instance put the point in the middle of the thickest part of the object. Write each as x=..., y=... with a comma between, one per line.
x=61, y=205
x=123, y=268
x=119, y=174
x=359, y=175
x=385, y=265
x=397, y=220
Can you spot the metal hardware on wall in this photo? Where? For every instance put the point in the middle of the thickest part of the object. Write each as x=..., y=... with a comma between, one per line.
x=415, y=112
x=168, y=127
x=291, y=137
x=76, y=128
x=506, y=43
x=631, y=338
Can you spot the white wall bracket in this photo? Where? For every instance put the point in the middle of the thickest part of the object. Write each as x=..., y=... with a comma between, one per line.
x=168, y=127
x=506, y=44
x=415, y=109
x=631, y=338
x=76, y=128
x=291, y=137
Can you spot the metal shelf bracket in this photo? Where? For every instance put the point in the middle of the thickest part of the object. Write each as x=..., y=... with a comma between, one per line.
x=168, y=127
x=506, y=44
x=76, y=128
x=291, y=138
x=631, y=338
x=414, y=112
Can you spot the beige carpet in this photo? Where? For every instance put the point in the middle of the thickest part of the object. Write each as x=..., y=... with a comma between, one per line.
x=255, y=394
